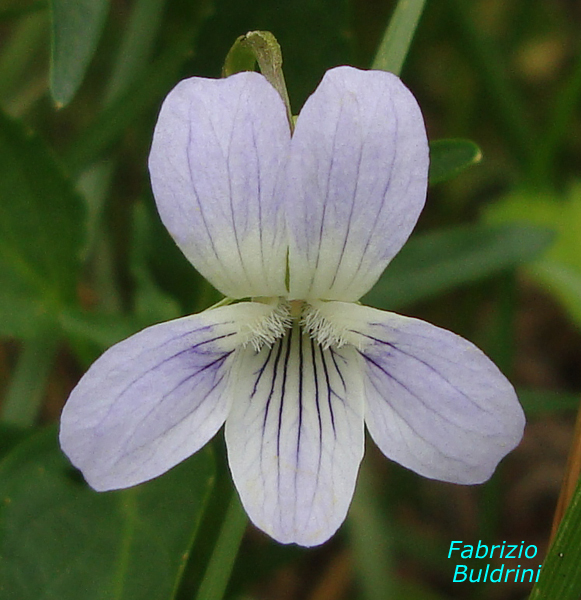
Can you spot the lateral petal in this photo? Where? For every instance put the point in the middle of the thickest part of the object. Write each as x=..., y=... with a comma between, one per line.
x=355, y=183
x=154, y=399
x=217, y=150
x=295, y=437
x=434, y=402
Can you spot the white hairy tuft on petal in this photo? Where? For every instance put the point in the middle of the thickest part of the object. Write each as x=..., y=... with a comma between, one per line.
x=267, y=328
x=328, y=323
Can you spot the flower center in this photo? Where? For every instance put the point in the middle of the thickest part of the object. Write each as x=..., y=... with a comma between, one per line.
x=315, y=319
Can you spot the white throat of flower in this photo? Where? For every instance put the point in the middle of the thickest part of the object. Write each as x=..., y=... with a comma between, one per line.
x=319, y=319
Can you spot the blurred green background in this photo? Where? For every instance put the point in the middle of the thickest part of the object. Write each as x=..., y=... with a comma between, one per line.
x=84, y=262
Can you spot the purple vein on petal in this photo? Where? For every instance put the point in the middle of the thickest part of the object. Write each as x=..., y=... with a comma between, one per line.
x=275, y=371
x=229, y=179
x=317, y=405
x=351, y=210
x=199, y=203
x=381, y=204
x=165, y=360
x=329, y=390
x=195, y=408
x=281, y=407
x=381, y=393
x=427, y=365
x=406, y=388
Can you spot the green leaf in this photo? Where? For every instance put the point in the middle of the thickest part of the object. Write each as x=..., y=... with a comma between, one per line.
x=76, y=29
x=21, y=314
x=540, y=402
x=128, y=102
x=239, y=58
x=23, y=45
x=41, y=230
x=493, y=75
x=219, y=568
x=144, y=93
x=14, y=12
x=267, y=53
x=559, y=126
x=314, y=35
x=398, y=36
x=10, y=436
x=560, y=577
x=436, y=262
x=136, y=45
x=371, y=540
x=558, y=269
x=152, y=304
x=450, y=157
x=90, y=332
x=26, y=390
x=61, y=540
x=100, y=328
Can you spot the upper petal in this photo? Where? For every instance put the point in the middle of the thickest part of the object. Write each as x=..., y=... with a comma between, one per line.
x=434, y=402
x=295, y=437
x=355, y=183
x=216, y=153
x=154, y=399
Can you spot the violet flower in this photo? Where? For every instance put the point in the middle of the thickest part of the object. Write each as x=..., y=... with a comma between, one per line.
x=304, y=225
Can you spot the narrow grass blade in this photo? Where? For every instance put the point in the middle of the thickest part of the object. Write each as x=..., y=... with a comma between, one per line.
x=398, y=37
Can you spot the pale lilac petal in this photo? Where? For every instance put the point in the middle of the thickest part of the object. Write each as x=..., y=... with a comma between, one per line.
x=154, y=399
x=355, y=182
x=434, y=402
x=217, y=150
x=295, y=438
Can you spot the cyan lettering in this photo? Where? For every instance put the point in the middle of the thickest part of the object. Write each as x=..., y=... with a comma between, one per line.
x=452, y=547
x=457, y=573
x=522, y=575
x=499, y=571
x=527, y=551
x=481, y=546
x=467, y=552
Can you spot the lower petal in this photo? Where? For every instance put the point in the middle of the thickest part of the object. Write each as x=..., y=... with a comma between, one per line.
x=434, y=402
x=295, y=437
x=154, y=399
